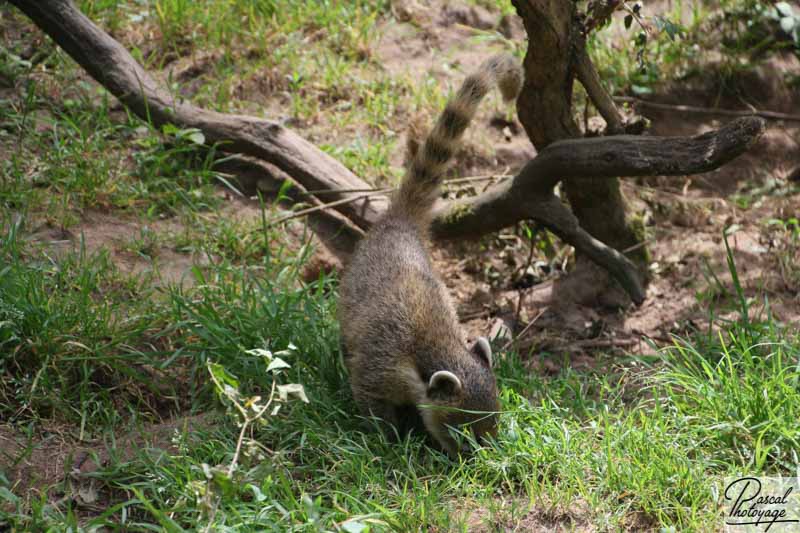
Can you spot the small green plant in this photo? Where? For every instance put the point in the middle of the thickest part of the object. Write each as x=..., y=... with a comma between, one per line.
x=60, y=341
x=145, y=244
x=248, y=410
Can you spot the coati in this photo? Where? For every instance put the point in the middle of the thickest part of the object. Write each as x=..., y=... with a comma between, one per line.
x=400, y=334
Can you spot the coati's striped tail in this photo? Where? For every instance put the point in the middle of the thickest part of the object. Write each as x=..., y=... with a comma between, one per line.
x=420, y=187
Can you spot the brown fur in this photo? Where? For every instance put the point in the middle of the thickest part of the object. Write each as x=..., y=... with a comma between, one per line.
x=399, y=327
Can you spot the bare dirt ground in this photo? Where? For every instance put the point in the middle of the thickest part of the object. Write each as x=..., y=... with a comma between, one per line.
x=687, y=215
x=52, y=458
x=520, y=515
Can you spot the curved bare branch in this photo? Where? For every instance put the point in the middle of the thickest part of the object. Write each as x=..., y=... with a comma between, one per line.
x=528, y=196
x=112, y=66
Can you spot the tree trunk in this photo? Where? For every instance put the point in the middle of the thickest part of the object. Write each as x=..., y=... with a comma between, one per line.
x=545, y=110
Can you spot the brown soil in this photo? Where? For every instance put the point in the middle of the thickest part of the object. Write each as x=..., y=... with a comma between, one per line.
x=56, y=460
x=522, y=516
x=688, y=214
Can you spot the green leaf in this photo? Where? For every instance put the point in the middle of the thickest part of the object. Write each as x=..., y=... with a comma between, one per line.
x=198, y=275
x=277, y=364
x=292, y=389
x=670, y=28
x=628, y=21
x=641, y=89
x=354, y=526
x=7, y=495
x=788, y=24
x=193, y=135
x=222, y=375
x=259, y=352
x=232, y=393
x=730, y=230
x=784, y=9
x=257, y=494
x=219, y=476
x=196, y=136
x=283, y=192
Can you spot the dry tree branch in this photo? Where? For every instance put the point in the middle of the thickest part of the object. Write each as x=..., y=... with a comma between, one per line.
x=113, y=67
x=509, y=201
x=587, y=75
x=529, y=195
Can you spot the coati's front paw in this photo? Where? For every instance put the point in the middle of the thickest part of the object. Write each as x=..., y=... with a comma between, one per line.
x=382, y=415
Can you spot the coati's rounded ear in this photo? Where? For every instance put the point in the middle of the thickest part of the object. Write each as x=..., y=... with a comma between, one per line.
x=482, y=349
x=444, y=383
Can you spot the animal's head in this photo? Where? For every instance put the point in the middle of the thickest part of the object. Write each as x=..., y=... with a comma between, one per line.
x=464, y=398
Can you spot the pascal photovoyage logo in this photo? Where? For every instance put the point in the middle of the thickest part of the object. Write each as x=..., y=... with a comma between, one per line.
x=761, y=504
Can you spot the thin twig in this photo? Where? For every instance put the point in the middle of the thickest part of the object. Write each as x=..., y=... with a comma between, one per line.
x=389, y=189
x=659, y=190
x=638, y=18
x=775, y=115
x=345, y=191
x=473, y=315
x=479, y=178
x=367, y=193
x=524, y=330
x=679, y=196
x=212, y=514
x=304, y=212
x=636, y=246
x=247, y=421
x=605, y=343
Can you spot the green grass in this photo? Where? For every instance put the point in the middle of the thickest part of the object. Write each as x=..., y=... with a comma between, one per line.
x=183, y=25
x=67, y=330
x=76, y=157
x=650, y=437
x=101, y=353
